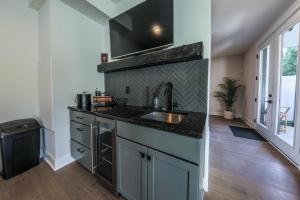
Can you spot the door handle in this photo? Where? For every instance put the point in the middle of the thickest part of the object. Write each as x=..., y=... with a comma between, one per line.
x=79, y=117
x=269, y=101
x=142, y=154
x=78, y=129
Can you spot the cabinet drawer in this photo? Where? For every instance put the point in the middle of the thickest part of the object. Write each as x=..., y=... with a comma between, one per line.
x=161, y=140
x=81, y=154
x=82, y=118
x=81, y=133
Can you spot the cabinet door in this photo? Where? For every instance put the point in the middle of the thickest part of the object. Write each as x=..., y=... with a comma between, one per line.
x=132, y=170
x=170, y=178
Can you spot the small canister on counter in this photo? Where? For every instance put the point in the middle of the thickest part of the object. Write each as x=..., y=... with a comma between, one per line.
x=84, y=101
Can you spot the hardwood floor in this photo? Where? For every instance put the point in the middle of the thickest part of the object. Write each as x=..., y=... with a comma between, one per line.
x=40, y=183
x=247, y=169
x=240, y=169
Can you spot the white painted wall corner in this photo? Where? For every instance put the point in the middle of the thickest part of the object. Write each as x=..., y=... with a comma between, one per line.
x=49, y=160
x=63, y=161
x=251, y=125
x=57, y=164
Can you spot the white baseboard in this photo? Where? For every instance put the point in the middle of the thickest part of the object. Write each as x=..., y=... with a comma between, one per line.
x=222, y=114
x=49, y=160
x=57, y=164
x=64, y=161
x=247, y=122
x=238, y=116
x=216, y=113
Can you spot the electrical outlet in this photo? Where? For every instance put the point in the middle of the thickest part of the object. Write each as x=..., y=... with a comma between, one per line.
x=127, y=89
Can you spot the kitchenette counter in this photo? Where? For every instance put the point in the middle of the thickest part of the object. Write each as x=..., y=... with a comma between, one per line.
x=192, y=125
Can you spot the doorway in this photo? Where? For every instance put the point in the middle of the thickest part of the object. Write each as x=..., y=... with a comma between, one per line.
x=264, y=100
x=288, y=84
x=277, y=90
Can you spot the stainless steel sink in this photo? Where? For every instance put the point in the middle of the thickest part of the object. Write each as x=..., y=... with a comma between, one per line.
x=171, y=118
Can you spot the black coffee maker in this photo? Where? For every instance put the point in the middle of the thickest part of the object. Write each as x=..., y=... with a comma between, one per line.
x=84, y=101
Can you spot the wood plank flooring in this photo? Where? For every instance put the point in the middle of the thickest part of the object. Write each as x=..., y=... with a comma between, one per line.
x=240, y=169
x=40, y=183
x=247, y=169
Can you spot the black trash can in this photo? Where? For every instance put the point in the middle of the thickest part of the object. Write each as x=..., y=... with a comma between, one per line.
x=19, y=146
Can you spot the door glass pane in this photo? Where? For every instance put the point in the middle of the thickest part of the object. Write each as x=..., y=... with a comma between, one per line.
x=288, y=80
x=263, y=87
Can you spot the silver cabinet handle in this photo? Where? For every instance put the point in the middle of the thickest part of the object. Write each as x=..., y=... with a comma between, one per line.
x=93, y=147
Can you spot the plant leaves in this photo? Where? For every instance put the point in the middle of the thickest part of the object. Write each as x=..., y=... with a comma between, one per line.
x=228, y=92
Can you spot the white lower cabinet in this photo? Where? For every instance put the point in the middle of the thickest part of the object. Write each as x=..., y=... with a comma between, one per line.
x=147, y=174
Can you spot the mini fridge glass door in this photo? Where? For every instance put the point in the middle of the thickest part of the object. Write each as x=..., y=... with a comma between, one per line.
x=106, y=149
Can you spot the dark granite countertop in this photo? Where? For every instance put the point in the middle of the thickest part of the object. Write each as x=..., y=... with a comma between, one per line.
x=192, y=125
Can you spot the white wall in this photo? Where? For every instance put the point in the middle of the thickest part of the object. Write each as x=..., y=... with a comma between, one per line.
x=45, y=67
x=249, y=83
x=45, y=81
x=192, y=23
x=77, y=42
x=124, y=5
x=231, y=67
x=18, y=60
x=69, y=51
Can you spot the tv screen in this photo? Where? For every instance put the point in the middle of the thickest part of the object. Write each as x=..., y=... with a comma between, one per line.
x=146, y=27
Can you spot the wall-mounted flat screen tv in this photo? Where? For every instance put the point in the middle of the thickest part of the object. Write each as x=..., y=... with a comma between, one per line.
x=145, y=27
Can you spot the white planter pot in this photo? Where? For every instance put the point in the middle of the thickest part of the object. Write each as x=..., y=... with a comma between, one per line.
x=228, y=114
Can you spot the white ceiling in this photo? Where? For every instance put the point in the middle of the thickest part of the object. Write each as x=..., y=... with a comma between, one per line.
x=113, y=8
x=98, y=10
x=236, y=24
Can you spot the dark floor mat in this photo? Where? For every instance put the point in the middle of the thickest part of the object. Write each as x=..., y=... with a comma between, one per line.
x=246, y=133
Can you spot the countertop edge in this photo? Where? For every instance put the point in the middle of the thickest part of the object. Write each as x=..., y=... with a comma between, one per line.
x=191, y=133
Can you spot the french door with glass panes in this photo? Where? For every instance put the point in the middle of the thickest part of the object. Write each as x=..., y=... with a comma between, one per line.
x=278, y=102
x=286, y=82
x=264, y=99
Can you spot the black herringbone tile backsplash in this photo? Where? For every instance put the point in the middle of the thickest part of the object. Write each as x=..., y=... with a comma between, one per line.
x=189, y=80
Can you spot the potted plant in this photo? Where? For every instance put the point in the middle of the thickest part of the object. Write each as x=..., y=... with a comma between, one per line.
x=228, y=94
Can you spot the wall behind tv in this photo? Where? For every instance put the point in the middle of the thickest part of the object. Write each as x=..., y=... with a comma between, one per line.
x=189, y=81
x=192, y=23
